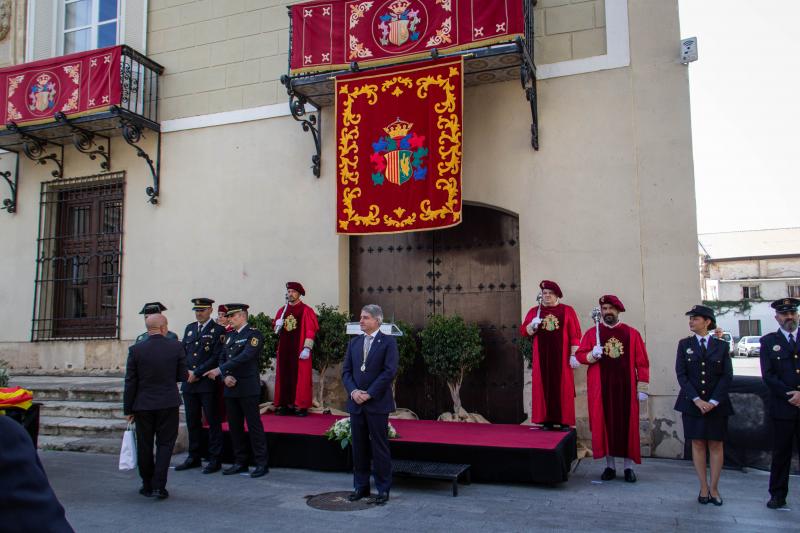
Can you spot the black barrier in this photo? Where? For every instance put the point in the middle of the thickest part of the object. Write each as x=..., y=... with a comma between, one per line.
x=29, y=418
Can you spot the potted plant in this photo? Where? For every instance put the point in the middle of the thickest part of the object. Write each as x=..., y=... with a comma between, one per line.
x=451, y=348
x=330, y=344
x=269, y=347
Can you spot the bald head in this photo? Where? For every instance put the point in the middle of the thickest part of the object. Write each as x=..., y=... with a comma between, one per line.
x=156, y=324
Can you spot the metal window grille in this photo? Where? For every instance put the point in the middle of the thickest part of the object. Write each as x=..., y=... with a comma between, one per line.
x=794, y=291
x=749, y=327
x=78, y=258
x=752, y=292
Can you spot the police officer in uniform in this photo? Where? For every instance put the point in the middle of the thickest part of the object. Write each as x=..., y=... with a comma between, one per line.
x=780, y=369
x=203, y=341
x=153, y=308
x=239, y=369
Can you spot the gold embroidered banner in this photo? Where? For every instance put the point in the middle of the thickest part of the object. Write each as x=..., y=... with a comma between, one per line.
x=399, y=133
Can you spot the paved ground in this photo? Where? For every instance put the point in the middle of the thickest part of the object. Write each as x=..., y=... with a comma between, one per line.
x=746, y=366
x=99, y=498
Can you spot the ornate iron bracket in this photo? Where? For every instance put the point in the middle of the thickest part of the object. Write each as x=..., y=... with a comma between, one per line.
x=528, y=80
x=10, y=204
x=312, y=123
x=35, y=149
x=84, y=140
x=132, y=133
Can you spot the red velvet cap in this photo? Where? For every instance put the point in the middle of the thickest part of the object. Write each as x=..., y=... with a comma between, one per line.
x=296, y=286
x=222, y=309
x=612, y=300
x=551, y=285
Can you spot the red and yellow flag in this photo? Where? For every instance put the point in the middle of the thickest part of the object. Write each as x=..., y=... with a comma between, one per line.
x=399, y=137
x=15, y=397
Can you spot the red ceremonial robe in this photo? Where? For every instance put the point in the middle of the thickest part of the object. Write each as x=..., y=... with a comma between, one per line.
x=612, y=384
x=553, y=395
x=293, y=385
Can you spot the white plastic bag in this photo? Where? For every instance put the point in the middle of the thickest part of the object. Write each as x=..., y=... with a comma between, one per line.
x=127, y=455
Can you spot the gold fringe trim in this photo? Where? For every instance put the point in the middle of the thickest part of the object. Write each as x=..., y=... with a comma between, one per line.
x=51, y=119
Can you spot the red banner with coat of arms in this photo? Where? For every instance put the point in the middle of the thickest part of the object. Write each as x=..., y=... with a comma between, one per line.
x=399, y=133
x=74, y=84
x=329, y=35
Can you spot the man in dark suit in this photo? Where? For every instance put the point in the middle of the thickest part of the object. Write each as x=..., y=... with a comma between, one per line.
x=369, y=368
x=239, y=368
x=780, y=369
x=151, y=400
x=28, y=503
x=203, y=342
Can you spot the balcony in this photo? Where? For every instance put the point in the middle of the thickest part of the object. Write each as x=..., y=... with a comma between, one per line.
x=82, y=100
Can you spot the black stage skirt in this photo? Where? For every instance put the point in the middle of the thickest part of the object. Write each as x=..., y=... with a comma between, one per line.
x=704, y=427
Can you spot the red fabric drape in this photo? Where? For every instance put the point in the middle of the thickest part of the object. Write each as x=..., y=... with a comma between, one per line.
x=293, y=376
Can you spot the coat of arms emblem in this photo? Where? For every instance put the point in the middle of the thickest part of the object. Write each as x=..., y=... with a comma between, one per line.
x=42, y=94
x=400, y=155
x=614, y=348
x=290, y=324
x=399, y=24
x=550, y=323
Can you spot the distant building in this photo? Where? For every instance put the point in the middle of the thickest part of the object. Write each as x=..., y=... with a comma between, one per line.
x=743, y=271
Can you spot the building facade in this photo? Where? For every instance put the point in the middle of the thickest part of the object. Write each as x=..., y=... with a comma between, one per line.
x=606, y=205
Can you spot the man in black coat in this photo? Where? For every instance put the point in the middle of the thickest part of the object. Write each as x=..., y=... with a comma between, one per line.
x=239, y=368
x=151, y=401
x=28, y=503
x=780, y=369
x=203, y=342
x=368, y=371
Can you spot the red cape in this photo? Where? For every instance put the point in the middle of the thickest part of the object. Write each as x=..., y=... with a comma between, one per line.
x=571, y=331
x=301, y=396
x=639, y=368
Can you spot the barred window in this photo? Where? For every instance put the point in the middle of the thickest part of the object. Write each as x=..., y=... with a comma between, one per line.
x=750, y=328
x=751, y=292
x=78, y=258
x=794, y=291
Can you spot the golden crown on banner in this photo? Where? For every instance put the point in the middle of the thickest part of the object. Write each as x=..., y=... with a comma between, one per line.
x=398, y=129
x=399, y=6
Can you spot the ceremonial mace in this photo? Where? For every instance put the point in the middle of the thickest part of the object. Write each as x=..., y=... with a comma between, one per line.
x=285, y=306
x=596, y=318
x=539, y=305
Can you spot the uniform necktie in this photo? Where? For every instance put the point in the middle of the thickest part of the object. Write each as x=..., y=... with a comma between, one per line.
x=792, y=343
x=367, y=344
x=703, y=346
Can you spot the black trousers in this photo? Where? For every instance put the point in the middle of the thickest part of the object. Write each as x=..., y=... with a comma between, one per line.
x=370, y=436
x=161, y=426
x=196, y=404
x=239, y=410
x=785, y=434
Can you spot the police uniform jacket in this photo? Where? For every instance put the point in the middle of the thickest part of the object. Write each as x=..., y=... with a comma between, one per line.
x=240, y=360
x=706, y=377
x=780, y=369
x=203, y=351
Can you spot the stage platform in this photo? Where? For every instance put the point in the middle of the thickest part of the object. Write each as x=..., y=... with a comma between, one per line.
x=497, y=452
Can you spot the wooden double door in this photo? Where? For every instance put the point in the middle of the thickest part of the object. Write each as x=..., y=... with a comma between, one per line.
x=471, y=270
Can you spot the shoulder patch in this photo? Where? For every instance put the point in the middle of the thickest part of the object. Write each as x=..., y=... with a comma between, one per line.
x=254, y=341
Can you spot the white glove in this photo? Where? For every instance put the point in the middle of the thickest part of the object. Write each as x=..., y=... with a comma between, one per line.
x=573, y=361
x=278, y=325
x=533, y=325
x=642, y=396
x=305, y=354
x=597, y=352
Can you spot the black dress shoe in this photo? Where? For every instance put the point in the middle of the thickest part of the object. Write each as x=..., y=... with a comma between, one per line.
x=301, y=412
x=281, y=411
x=703, y=499
x=147, y=493
x=161, y=494
x=234, y=469
x=381, y=498
x=260, y=471
x=715, y=501
x=212, y=467
x=357, y=495
x=776, y=503
x=189, y=463
x=608, y=474
x=630, y=476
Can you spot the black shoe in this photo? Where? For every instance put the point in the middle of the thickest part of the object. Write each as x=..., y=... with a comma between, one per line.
x=281, y=411
x=147, y=493
x=358, y=494
x=301, y=412
x=234, y=469
x=161, y=494
x=189, y=463
x=703, y=499
x=608, y=474
x=381, y=498
x=260, y=471
x=776, y=503
x=715, y=501
x=211, y=467
x=630, y=477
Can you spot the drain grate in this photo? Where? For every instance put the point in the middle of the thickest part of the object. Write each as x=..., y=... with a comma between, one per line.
x=337, y=501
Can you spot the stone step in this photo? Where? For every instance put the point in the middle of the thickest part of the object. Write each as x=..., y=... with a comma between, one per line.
x=81, y=427
x=80, y=444
x=82, y=389
x=76, y=409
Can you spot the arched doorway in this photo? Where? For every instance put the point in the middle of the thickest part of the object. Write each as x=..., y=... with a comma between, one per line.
x=471, y=270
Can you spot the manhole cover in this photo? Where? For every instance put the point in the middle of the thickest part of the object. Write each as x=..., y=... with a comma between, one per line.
x=337, y=501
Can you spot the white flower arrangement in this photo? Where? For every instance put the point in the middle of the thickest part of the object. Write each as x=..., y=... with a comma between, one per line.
x=341, y=432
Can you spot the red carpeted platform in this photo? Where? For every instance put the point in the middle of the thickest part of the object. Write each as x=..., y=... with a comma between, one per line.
x=497, y=452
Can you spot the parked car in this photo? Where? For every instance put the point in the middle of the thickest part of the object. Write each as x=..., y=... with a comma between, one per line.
x=749, y=346
x=731, y=345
